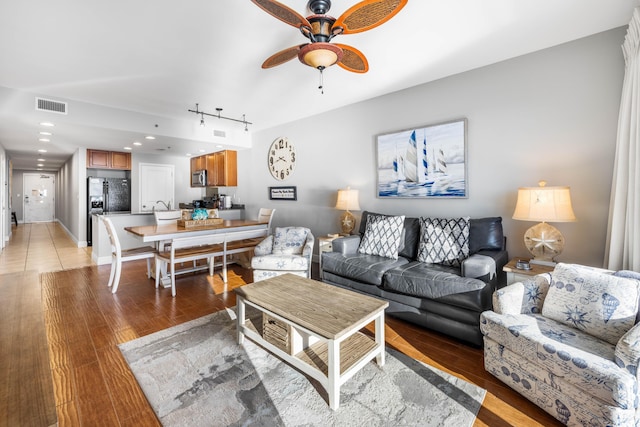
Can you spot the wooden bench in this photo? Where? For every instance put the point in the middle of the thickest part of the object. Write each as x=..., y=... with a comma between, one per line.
x=190, y=249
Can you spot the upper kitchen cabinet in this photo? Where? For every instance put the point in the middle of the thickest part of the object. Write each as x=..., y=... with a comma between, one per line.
x=100, y=159
x=222, y=169
x=198, y=163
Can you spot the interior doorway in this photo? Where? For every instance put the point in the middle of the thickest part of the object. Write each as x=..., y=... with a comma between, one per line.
x=39, y=197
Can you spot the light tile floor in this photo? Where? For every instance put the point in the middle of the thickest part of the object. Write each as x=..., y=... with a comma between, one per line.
x=42, y=247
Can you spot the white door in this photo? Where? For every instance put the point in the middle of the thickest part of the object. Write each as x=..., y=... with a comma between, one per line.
x=156, y=184
x=39, y=197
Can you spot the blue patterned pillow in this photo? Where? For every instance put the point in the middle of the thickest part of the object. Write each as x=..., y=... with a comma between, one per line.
x=444, y=240
x=592, y=300
x=382, y=236
x=289, y=240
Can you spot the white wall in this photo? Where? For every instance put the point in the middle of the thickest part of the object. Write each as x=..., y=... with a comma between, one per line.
x=548, y=115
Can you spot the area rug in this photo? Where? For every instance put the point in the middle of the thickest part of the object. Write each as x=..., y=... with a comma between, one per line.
x=195, y=374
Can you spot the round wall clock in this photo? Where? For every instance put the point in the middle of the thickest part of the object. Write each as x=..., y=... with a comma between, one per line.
x=281, y=160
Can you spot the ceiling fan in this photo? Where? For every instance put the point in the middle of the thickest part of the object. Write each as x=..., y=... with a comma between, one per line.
x=321, y=28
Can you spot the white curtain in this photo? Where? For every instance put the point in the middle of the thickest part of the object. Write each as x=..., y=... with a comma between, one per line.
x=623, y=232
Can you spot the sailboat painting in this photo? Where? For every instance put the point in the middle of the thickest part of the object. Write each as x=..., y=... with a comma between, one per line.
x=430, y=161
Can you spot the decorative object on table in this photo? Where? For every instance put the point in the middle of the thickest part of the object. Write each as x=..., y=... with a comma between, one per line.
x=281, y=159
x=189, y=223
x=283, y=193
x=212, y=213
x=545, y=204
x=430, y=162
x=199, y=213
x=254, y=387
x=321, y=28
x=347, y=201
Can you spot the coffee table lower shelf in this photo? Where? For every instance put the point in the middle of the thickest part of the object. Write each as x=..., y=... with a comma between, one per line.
x=311, y=353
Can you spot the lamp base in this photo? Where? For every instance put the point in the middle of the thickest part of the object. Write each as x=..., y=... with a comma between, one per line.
x=545, y=242
x=347, y=222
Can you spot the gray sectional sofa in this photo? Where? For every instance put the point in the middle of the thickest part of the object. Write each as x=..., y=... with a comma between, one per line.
x=448, y=299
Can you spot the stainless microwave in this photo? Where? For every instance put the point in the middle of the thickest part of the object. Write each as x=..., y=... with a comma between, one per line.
x=199, y=178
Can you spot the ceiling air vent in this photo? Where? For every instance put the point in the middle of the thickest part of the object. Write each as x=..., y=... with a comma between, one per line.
x=219, y=133
x=51, y=106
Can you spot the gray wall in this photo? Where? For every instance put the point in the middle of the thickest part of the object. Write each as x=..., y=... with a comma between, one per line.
x=549, y=115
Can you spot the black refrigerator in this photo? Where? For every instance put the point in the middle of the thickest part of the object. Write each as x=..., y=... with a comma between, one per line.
x=106, y=195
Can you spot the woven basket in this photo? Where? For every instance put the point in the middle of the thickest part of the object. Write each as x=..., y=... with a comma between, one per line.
x=276, y=332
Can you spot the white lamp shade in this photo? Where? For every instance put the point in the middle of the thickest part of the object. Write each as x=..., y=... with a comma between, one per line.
x=544, y=204
x=348, y=200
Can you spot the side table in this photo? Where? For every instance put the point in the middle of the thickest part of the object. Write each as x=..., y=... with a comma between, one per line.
x=325, y=244
x=518, y=275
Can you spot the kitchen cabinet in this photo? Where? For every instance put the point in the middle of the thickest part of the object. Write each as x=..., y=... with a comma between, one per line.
x=101, y=159
x=222, y=169
x=198, y=163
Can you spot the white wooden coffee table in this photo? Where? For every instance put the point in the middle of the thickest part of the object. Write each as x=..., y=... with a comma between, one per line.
x=314, y=327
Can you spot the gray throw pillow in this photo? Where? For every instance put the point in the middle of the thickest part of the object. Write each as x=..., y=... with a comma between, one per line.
x=444, y=241
x=382, y=236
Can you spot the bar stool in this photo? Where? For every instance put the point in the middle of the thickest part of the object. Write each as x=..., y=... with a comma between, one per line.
x=14, y=218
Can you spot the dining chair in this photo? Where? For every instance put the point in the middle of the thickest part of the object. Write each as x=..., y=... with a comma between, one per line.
x=118, y=255
x=266, y=215
x=165, y=218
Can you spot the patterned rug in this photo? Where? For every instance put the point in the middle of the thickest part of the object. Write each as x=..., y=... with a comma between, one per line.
x=195, y=374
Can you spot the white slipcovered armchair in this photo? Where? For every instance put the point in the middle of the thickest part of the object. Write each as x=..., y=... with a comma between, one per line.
x=287, y=250
x=570, y=343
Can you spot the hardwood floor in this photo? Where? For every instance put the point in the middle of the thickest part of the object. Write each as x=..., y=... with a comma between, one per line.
x=84, y=323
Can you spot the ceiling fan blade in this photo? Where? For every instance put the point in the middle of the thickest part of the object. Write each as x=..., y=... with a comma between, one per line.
x=352, y=59
x=283, y=13
x=282, y=56
x=368, y=14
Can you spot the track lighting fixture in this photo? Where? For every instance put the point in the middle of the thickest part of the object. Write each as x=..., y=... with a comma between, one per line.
x=218, y=110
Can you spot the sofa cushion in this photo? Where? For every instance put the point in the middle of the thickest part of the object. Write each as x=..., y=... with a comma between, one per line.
x=382, y=236
x=429, y=281
x=592, y=300
x=552, y=349
x=289, y=240
x=485, y=234
x=410, y=234
x=360, y=267
x=444, y=240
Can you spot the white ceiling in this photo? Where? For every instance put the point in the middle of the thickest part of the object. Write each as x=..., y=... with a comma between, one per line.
x=128, y=68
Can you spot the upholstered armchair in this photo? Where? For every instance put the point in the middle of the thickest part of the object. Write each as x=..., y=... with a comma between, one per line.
x=287, y=250
x=569, y=341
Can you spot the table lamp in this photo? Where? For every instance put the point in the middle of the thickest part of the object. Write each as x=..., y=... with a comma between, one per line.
x=545, y=204
x=347, y=200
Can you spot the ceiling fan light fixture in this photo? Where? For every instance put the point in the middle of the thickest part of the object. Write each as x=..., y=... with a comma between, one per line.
x=320, y=55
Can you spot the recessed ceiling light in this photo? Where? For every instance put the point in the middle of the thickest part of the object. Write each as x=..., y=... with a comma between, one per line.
x=44, y=140
x=46, y=133
x=48, y=124
x=188, y=154
x=39, y=169
x=202, y=150
x=149, y=137
x=41, y=160
x=39, y=165
x=137, y=143
x=128, y=148
x=218, y=146
x=42, y=150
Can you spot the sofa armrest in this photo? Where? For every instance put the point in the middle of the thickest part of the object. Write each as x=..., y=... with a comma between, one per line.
x=522, y=297
x=477, y=266
x=627, y=353
x=265, y=247
x=346, y=245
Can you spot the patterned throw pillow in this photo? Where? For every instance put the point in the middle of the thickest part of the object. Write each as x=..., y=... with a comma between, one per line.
x=382, y=236
x=444, y=240
x=592, y=300
x=289, y=240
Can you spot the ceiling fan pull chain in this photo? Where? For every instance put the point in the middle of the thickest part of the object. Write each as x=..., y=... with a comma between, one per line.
x=321, y=86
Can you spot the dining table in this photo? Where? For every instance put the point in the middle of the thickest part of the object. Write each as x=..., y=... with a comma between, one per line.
x=168, y=232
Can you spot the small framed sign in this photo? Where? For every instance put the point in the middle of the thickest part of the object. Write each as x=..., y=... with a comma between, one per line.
x=283, y=193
